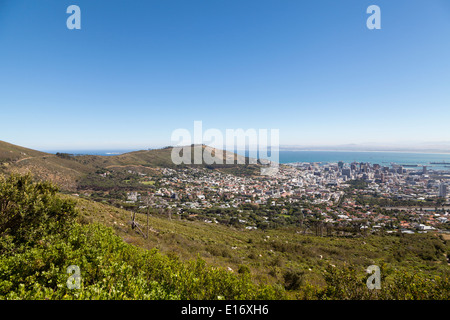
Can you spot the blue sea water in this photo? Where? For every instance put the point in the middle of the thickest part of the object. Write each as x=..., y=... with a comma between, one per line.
x=91, y=152
x=382, y=158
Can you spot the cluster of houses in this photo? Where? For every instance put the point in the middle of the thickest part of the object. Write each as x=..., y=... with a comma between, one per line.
x=317, y=184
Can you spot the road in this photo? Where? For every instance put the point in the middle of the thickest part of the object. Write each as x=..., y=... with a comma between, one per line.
x=418, y=208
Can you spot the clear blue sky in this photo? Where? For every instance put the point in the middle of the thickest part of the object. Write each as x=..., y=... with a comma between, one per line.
x=137, y=70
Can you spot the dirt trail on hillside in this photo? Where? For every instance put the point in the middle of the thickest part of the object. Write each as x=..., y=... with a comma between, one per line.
x=20, y=160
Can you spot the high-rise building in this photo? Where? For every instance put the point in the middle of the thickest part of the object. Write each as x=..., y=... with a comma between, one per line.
x=442, y=190
x=424, y=170
x=347, y=172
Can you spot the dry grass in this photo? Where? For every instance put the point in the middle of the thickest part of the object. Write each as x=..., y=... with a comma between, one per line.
x=269, y=253
x=446, y=236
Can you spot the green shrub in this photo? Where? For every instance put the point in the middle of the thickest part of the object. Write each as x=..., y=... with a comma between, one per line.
x=293, y=279
x=243, y=269
x=30, y=210
x=113, y=269
x=40, y=240
x=347, y=283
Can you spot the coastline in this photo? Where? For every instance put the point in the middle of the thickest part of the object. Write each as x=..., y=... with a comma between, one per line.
x=374, y=151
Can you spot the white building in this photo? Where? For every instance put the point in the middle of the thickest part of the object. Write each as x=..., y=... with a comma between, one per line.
x=132, y=196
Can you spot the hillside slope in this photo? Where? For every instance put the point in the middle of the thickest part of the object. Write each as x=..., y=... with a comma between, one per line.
x=67, y=171
x=12, y=153
x=272, y=255
x=54, y=231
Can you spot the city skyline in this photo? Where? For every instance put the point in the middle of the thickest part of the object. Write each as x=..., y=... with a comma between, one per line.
x=136, y=72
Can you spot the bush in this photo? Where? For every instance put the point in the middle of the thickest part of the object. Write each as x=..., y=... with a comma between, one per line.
x=346, y=283
x=29, y=210
x=243, y=269
x=293, y=279
x=40, y=241
x=113, y=269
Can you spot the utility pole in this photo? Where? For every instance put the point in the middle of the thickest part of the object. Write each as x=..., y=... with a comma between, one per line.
x=147, y=202
x=148, y=212
x=135, y=225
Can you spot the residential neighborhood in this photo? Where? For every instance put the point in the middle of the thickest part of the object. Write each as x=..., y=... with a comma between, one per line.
x=377, y=198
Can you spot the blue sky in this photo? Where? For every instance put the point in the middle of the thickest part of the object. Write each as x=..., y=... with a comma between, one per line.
x=137, y=70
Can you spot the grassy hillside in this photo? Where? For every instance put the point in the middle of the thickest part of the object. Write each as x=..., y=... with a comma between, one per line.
x=275, y=256
x=43, y=232
x=12, y=153
x=161, y=158
x=67, y=171
x=40, y=240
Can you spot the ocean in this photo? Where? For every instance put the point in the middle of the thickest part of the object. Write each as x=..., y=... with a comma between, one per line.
x=90, y=152
x=381, y=158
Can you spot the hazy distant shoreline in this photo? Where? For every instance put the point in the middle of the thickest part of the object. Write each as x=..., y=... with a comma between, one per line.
x=287, y=149
x=357, y=150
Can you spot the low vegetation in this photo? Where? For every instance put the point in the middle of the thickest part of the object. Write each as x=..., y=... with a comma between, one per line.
x=44, y=232
x=40, y=239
